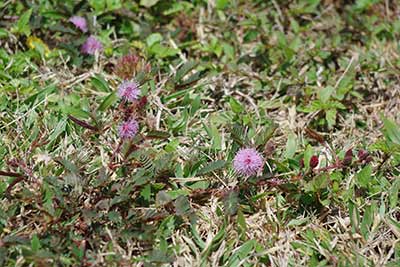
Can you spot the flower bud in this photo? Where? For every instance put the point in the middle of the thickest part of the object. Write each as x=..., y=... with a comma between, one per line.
x=314, y=161
x=348, y=157
x=362, y=155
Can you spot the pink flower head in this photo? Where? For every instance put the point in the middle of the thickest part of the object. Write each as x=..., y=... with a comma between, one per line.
x=129, y=90
x=91, y=46
x=248, y=161
x=79, y=22
x=128, y=129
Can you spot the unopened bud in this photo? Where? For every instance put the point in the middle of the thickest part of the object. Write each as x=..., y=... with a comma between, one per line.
x=314, y=161
x=362, y=155
x=348, y=157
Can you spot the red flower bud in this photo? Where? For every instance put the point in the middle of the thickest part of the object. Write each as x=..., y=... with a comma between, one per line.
x=142, y=102
x=362, y=155
x=314, y=161
x=348, y=157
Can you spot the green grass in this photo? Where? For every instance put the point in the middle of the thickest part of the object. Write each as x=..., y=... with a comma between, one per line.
x=293, y=79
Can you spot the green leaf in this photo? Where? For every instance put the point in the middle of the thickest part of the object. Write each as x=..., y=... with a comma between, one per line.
x=308, y=153
x=158, y=134
x=297, y=222
x=101, y=6
x=182, y=205
x=162, y=198
x=60, y=128
x=3, y=33
x=325, y=93
x=394, y=193
x=330, y=116
x=345, y=85
x=231, y=201
x=319, y=182
x=174, y=194
x=153, y=38
x=354, y=216
x=367, y=220
x=364, y=176
x=241, y=253
x=69, y=166
x=146, y=192
x=221, y=4
x=162, y=51
x=241, y=222
x=76, y=112
x=236, y=106
x=35, y=243
x=291, y=146
x=364, y=4
x=148, y=3
x=107, y=102
x=263, y=137
x=215, y=136
x=41, y=94
x=391, y=130
x=184, y=69
x=213, y=166
x=23, y=23
x=100, y=84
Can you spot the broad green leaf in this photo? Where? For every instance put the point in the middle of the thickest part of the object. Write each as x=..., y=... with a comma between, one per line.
x=330, y=116
x=23, y=23
x=318, y=183
x=364, y=176
x=162, y=198
x=308, y=153
x=221, y=4
x=3, y=33
x=394, y=193
x=146, y=192
x=148, y=3
x=236, y=106
x=162, y=51
x=212, y=166
x=364, y=4
x=107, y=102
x=231, y=202
x=35, y=243
x=297, y=222
x=153, y=39
x=391, y=130
x=174, y=194
x=99, y=83
x=158, y=134
x=68, y=165
x=367, y=220
x=241, y=253
x=325, y=93
x=241, y=222
x=58, y=130
x=266, y=134
x=291, y=146
x=76, y=112
x=354, y=216
x=184, y=69
x=182, y=205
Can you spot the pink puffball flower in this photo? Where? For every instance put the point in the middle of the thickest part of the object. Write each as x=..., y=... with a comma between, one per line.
x=128, y=129
x=91, y=46
x=248, y=162
x=129, y=90
x=79, y=22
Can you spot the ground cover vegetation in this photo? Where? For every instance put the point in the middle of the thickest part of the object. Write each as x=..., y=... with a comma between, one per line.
x=200, y=133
